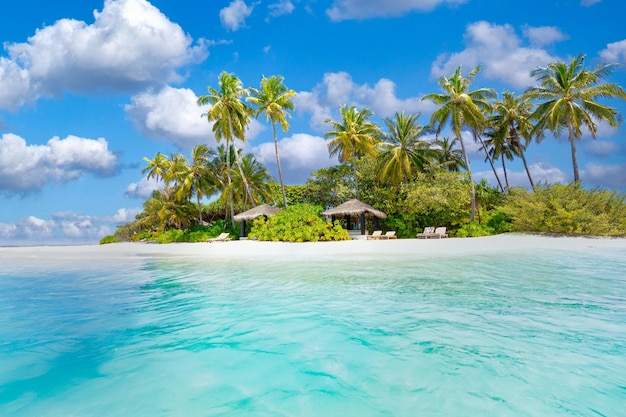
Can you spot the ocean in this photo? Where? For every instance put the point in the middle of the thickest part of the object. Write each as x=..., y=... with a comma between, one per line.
x=520, y=331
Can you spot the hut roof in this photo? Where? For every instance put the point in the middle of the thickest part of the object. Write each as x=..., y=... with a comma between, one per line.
x=354, y=207
x=253, y=213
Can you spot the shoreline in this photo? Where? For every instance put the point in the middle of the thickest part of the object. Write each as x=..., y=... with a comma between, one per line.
x=250, y=249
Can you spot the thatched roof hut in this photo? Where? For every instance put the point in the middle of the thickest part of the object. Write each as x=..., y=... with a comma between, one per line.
x=253, y=213
x=355, y=207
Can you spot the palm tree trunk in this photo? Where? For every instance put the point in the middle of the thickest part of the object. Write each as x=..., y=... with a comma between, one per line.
x=532, y=184
x=572, y=141
x=356, y=180
x=243, y=177
x=471, y=178
x=199, y=207
x=230, y=185
x=493, y=167
x=506, y=175
x=280, y=171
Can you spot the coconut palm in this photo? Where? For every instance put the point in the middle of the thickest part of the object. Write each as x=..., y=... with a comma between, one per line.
x=352, y=137
x=510, y=123
x=231, y=116
x=157, y=168
x=196, y=178
x=257, y=177
x=498, y=147
x=461, y=108
x=567, y=96
x=274, y=99
x=403, y=149
x=448, y=155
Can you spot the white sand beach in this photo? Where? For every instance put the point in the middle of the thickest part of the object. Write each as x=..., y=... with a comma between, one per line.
x=238, y=249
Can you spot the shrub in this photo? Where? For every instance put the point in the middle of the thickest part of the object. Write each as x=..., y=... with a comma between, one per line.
x=474, y=229
x=297, y=223
x=108, y=239
x=500, y=222
x=567, y=209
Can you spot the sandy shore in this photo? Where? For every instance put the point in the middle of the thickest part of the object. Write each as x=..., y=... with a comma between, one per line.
x=239, y=249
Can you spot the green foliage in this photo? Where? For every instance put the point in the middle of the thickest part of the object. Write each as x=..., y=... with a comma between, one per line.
x=500, y=222
x=297, y=223
x=474, y=229
x=109, y=239
x=329, y=187
x=567, y=209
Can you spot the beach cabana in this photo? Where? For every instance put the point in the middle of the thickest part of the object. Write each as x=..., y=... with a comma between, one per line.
x=249, y=215
x=358, y=208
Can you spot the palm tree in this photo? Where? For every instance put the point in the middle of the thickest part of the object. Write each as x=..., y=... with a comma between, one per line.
x=461, y=108
x=448, y=155
x=196, y=178
x=231, y=116
x=257, y=177
x=498, y=147
x=274, y=99
x=510, y=123
x=403, y=150
x=352, y=137
x=157, y=168
x=567, y=96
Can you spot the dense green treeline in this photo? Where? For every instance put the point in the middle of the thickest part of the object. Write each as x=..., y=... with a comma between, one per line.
x=398, y=168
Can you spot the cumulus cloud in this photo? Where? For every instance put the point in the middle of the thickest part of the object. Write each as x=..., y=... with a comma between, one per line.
x=364, y=9
x=500, y=52
x=601, y=148
x=543, y=35
x=300, y=154
x=338, y=88
x=607, y=175
x=541, y=173
x=235, y=14
x=615, y=52
x=172, y=115
x=281, y=8
x=131, y=44
x=28, y=168
x=142, y=189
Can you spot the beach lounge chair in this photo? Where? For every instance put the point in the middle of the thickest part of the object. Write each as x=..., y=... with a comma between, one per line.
x=428, y=232
x=376, y=234
x=391, y=234
x=440, y=232
x=221, y=238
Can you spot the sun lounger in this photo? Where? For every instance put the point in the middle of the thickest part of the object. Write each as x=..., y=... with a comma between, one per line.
x=428, y=232
x=376, y=234
x=440, y=232
x=221, y=238
x=391, y=234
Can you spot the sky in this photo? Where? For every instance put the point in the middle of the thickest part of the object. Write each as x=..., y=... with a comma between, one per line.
x=90, y=88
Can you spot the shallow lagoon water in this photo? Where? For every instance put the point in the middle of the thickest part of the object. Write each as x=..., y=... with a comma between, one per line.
x=530, y=332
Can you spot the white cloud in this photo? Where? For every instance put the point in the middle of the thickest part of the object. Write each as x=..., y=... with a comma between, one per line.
x=281, y=8
x=173, y=115
x=300, y=154
x=235, y=14
x=498, y=49
x=142, y=189
x=543, y=35
x=615, y=52
x=130, y=44
x=28, y=168
x=587, y=3
x=63, y=227
x=607, y=175
x=364, y=9
x=541, y=173
x=337, y=89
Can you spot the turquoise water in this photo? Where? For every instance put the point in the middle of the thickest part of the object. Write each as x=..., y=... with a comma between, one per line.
x=537, y=333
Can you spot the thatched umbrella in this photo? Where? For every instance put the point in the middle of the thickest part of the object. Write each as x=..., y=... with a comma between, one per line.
x=355, y=207
x=248, y=215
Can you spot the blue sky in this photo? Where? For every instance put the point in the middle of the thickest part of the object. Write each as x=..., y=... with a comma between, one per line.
x=89, y=88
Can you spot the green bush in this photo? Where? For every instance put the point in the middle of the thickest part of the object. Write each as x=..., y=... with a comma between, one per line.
x=108, y=239
x=297, y=223
x=500, y=222
x=567, y=209
x=474, y=229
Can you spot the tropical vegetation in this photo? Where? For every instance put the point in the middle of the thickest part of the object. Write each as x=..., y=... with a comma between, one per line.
x=403, y=168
